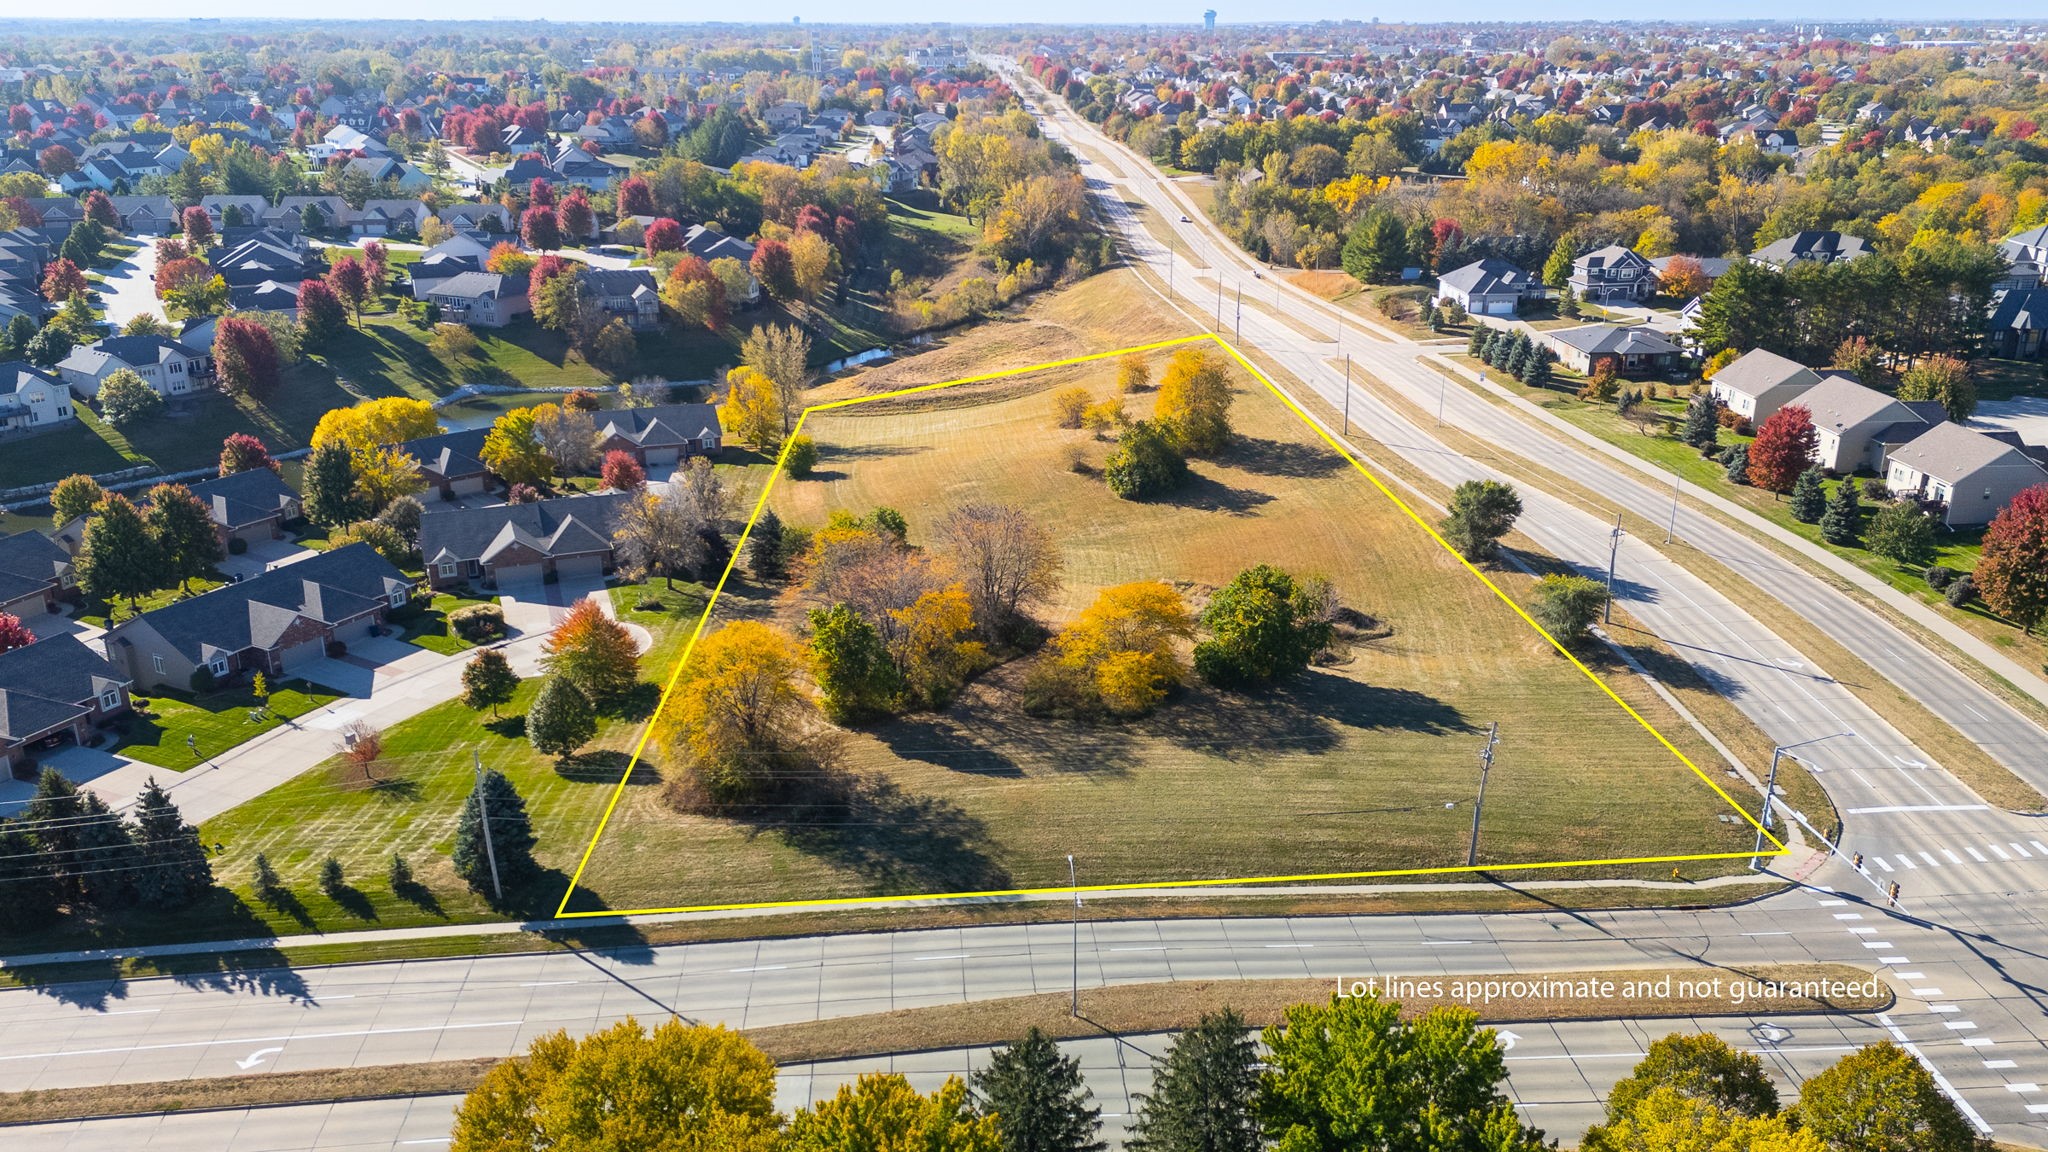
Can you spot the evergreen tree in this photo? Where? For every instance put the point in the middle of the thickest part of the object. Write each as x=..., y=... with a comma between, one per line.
x=1702, y=423
x=119, y=556
x=174, y=869
x=1839, y=524
x=1538, y=375
x=1568, y=303
x=1431, y=317
x=1038, y=1098
x=511, y=833
x=1809, y=497
x=1476, y=345
x=560, y=720
x=1481, y=512
x=764, y=547
x=329, y=487
x=1736, y=460
x=105, y=859
x=29, y=895
x=1203, y=1092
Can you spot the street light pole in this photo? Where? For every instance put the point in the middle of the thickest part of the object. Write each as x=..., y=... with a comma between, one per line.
x=1442, y=385
x=1240, y=313
x=1613, y=551
x=1347, y=393
x=1771, y=792
x=1672, y=530
x=1074, y=882
x=1479, y=805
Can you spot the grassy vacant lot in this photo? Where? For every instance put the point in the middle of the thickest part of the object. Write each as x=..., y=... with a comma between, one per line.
x=1350, y=768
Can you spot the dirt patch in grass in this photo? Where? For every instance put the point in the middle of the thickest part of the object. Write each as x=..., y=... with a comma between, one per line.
x=1122, y=1009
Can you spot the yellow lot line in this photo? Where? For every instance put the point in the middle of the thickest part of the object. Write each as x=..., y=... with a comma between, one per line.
x=1777, y=847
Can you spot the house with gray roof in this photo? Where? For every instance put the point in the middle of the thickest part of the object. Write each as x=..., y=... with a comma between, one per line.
x=452, y=462
x=1634, y=351
x=275, y=623
x=32, y=400
x=662, y=434
x=1612, y=273
x=2018, y=328
x=521, y=545
x=629, y=294
x=1814, y=246
x=172, y=368
x=482, y=299
x=1488, y=287
x=249, y=506
x=1760, y=383
x=1965, y=475
x=1853, y=424
x=35, y=574
x=53, y=692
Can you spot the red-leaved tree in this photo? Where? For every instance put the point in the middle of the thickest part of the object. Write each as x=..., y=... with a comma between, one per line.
x=540, y=193
x=321, y=313
x=575, y=218
x=99, y=208
x=774, y=268
x=1783, y=449
x=664, y=235
x=241, y=452
x=61, y=279
x=2012, y=574
x=245, y=357
x=636, y=197
x=13, y=633
x=350, y=280
x=198, y=226
x=538, y=229
x=622, y=473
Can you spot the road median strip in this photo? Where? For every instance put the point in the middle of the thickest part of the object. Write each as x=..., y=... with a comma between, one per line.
x=1128, y=1009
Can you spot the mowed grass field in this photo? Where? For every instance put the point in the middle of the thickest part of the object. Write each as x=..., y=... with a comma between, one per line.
x=1367, y=765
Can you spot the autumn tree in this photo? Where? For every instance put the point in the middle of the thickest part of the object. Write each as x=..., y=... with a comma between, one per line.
x=693, y=292
x=13, y=633
x=568, y=436
x=752, y=411
x=74, y=496
x=125, y=399
x=1944, y=379
x=2012, y=572
x=1194, y=402
x=1567, y=606
x=322, y=315
x=739, y=717
x=99, y=208
x=1006, y=560
x=488, y=681
x=1121, y=655
x=1146, y=463
x=1783, y=448
x=1701, y=1068
x=621, y=472
x=664, y=235
x=119, y=556
x=660, y=533
x=371, y=431
x=246, y=358
x=512, y=449
x=1133, y=373
x=350, y=280
x=782, y=353
x=538, y=229
x=1862, y=359
x=1880, y=1099
x=198, y=227
x=614, y=348
x=187, y=541
x=62, y=279
x=361, y=744
x=594, y=652
x=1481, y=512
x=882, y=1111
x=574, y=218
x=1683, y=278
x=624, y=1087
x=774, y=268
x=241, y=452
x=1069, y=405
x=635, y=197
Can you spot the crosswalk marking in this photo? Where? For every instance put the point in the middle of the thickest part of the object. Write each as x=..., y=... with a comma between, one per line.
x=1932, y=862
x=1927, y=993
x=1996, y=851
x=1998, y=1064
x=1848, y=915
x=1879, y=861
x=1979, y=1042
x=1907, y=861
x=1974, y=854
x=1943, y=1009
x=2015, y=846
x=2039, y=847
x=1952, y=857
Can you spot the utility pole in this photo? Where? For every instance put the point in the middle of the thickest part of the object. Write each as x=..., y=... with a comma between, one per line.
x=1074, y=882
x=1219, y=300
x=1169, y=268
x=1347, y=393
x=483, y=812
x=1672, y=530
x=1240, y=313
x=1479, y=805
x=1613, y=551
x=1443, y=383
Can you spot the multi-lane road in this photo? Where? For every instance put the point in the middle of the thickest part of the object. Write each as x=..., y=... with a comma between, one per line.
x=1967, y=951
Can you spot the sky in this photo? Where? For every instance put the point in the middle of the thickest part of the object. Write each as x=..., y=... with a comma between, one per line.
x=1072, y=11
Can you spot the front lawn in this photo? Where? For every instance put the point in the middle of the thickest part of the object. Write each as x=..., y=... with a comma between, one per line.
x=217, y=721
x=429, y=628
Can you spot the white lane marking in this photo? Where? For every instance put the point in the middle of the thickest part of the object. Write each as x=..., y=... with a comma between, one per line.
x=1832, y=903
x=549, y=983
x=1893, y=960
x=947, y=956
x=1767, y=933
x=1952, y=857
x=2038, y=1109
x=1146, y=948
x=1890, y=808
x=1907, y=861
x=1848, y=915
x=1915, y=976
x=240, y=1040
x=760, y=968
x=1998, y=1064
x=1980, y=1042
x=1862, y=931
x=1877, y=945
x=1996, y=851
x=2023, y=1088
x=1289, y=945
x=1932, y=861
x=1960, y=1026
x=1944, y=1009
x=431, y=1140
x=1925, y=993
x=1879, y=861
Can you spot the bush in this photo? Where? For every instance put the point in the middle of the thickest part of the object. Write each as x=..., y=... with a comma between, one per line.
x=1961, y=592
x=1068, y=405
x=1145, y=463
x=1939, y=576
x=477, y=623
x=802, y=457
x=202, y=680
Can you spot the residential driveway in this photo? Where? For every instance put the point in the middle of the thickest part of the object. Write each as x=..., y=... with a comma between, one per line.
x=262, y=556
x=115, y=778
x=130, y=286
x=535, y=609
x=51, y=624
x=379, y=662
x=2026, y=415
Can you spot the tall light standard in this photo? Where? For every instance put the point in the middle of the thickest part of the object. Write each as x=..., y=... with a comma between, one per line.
x=1074, y=882
x=1613, y=551
x=1771, y=791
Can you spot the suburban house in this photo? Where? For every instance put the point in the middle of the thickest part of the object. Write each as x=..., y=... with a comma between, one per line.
x=1612, y=273
x=452, y=462
x=274, y=623
x=1853, y=424
x=1968, y=475
x=515, y=545
x=32, y=400
x=1819, y=247
x=1487, y=287
x=2018, y=328
x=662, y=434
x=147, y=215
x=54, y=690
x=1636, y=351
x=249, y=506
x=172, y=368
x=35, y=573
x=1760, y=383
x=629, y=294
x=266, y=296
x=482, y=299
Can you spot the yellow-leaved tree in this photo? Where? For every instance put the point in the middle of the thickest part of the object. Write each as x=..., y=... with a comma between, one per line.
x=372, y=431
x=512, y=449
x=1194, y=402
x=738, y=718
x=882, y=1113
x=1121, y=654
x=752, y=411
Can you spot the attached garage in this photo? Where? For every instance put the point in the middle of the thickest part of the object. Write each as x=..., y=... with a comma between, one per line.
x=589, y=567
x=519, y=576
x=355, y=630
x=299, y=655
x=663, y=455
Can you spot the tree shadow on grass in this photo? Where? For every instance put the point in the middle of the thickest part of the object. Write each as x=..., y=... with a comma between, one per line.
x=1290, y=458
x=1306, y=713
x=285, y=902
x=1211, y=495
x=896, y=841
x=636, y=703
x=509, y=727
x=605, y=767
x=351, y=901
x=421, y=897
